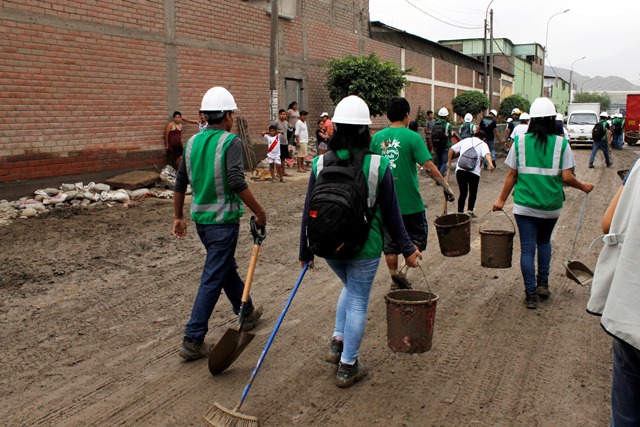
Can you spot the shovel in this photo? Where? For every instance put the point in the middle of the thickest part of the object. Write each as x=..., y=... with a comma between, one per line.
x=575, y=270
x=233, y=342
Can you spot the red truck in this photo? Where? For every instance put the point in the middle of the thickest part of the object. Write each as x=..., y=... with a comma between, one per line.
x=632, y=115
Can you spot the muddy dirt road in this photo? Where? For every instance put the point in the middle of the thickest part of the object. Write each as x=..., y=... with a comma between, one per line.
x=93, y=305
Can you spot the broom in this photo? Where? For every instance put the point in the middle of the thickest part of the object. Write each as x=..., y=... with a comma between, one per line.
x=218, y=415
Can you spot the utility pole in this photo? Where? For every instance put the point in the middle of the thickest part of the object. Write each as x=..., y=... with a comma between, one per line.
x=491, y=60
x=484, y=59
x=273, y=60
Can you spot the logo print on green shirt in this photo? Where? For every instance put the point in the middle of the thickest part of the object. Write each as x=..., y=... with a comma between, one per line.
x=390, y=150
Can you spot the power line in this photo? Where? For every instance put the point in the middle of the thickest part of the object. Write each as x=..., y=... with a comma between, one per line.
x=441, y=20
x=439, y=6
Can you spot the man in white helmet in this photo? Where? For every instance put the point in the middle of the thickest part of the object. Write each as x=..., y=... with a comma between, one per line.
x=405, y=149
x=441, y=139
x=212, y=163
x=489, y=125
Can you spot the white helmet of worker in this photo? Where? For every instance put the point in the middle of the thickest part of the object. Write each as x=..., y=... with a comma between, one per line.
x=217, y=101
x=468, y=118
x=443, y=112
x=352, y=110
x=542, y=107
x=516, y=111
x=525, y=116
x=619, y=115
x=494, y=112
x=604, y=114
x=558, y=116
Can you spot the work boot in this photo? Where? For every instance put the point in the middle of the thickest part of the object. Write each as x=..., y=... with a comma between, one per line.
x=591, y=166
x=542, y=288
x=252, y=320
x=350, y=374
x=191, y=350
x=335, y=351
x=531, y=300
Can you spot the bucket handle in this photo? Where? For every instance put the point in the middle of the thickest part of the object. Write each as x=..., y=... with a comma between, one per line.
x=500, y=210
x=425, y=277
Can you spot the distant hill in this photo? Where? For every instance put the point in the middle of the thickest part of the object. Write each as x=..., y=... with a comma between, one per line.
x=598, y=83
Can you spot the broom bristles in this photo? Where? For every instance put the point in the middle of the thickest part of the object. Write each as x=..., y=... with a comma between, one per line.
x=219, y=416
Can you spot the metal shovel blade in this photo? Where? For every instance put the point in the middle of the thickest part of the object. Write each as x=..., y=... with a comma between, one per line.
x=227, y=350
x=578, y=272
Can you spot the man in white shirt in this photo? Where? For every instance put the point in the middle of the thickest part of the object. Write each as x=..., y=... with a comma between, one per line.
x=521, y=129
x=302, y=139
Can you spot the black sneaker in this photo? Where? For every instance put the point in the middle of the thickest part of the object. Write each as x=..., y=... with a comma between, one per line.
x=252, y=320
x=542, y=288
x=350, y=374
x=191, y=350
x=591, y=165
x=335, y=351
x=531, y=301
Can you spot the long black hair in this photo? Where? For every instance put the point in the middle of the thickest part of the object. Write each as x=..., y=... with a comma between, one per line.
x=291, y=105
x=542, y=128
x=350, y=137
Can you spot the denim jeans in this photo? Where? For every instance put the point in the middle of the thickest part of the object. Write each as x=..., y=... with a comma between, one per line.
x=442, y=156
x=534, y=233
x=220, y=272
x=600, y=145
x=616, y=141
x=625, y=385
x=351, y=312
x=490, y=143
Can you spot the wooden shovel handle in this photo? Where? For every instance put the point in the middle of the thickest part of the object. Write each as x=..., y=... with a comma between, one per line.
x=446, y=180
x=249, y=279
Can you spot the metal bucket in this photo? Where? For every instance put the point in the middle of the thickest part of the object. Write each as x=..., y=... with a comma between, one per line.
x=454, y=234
x=411, y=315
x=496, y=246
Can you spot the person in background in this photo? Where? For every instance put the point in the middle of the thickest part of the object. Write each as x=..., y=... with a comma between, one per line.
x=273, y=153
x=602, y=143
x=173, y=138
x=537, y=182
x=405, y=149
x=321, y=137
x=489, y=125
x=560, y=126
x=358, y=273
x=327, y=125
x=212, y=164
x=615, y=296
x=617, y=130
x=468, y=128
x=441, y=139
x=202, y=122
x=511, y=124
x=293, y=115
x=282, y=125
x=428, y=128
x=468, y=180
x=302, y=140
x=413, y=125
x=521, y=129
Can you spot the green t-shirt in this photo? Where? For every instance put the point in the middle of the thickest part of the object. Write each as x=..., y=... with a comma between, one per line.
x=405, y=149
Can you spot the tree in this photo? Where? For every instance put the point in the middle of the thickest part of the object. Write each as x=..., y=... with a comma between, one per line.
x=602, y=98
x=511, y=102
x=470, y=102
x=366, y=76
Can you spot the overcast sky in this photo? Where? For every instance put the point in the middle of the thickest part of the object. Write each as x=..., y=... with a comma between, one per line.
x=607, y=33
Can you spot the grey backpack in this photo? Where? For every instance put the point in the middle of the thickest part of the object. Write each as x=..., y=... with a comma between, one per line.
x=469, y=159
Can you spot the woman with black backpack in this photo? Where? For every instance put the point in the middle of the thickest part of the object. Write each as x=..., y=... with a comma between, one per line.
x=350, y=243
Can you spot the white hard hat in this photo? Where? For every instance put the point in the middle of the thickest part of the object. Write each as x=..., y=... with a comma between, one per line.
x=494, y=112
x=516, y=111
x=509, y=120
x=352, y=110
x=558, y=116
x=542, y=107
x=604, y=114
x=218, y=99
x=325, y=114
x=525, y=116
x=619, y=115
x=443, y=112
x=468, y=117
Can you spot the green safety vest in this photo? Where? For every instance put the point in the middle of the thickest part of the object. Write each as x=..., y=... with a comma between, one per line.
x=205, y=157
x=539, y=184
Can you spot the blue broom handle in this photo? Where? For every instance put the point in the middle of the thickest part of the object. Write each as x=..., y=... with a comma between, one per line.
x=273, y=335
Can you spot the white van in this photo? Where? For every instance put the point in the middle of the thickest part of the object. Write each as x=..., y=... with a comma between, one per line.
x=580, y=124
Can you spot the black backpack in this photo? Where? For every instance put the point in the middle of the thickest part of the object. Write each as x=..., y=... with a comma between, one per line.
x=598, y=132
x=617, y=127
x=465, y=131
x=339, y=213
x=437, y=135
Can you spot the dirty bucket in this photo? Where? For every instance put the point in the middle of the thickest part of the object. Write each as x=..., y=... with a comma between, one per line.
x=454, y=234
x=411, y=315
x=496, y=246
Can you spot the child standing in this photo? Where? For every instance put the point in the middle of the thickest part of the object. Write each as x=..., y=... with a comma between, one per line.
x=321, y=138
x=273, y=153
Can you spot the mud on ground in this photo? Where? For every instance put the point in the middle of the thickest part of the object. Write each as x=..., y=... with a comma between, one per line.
x=94, y=302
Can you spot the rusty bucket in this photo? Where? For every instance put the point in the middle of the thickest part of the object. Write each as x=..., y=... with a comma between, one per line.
x=496, y=245
x=411, y=316
x=454, y=234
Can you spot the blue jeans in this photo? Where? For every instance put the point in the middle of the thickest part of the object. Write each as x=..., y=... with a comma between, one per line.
x=490, y=143
x=351, y=312
x=600, y=145
x=616, y=141
x=442, y=156
x=220, y=272
x=534, y=233
x=625, y=385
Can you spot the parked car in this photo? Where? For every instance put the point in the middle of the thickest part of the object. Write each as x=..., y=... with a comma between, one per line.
x=580, y=124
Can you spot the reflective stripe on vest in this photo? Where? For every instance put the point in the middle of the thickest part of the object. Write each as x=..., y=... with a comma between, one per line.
x=372, y=176
x=522, y=159
x=222, y=204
